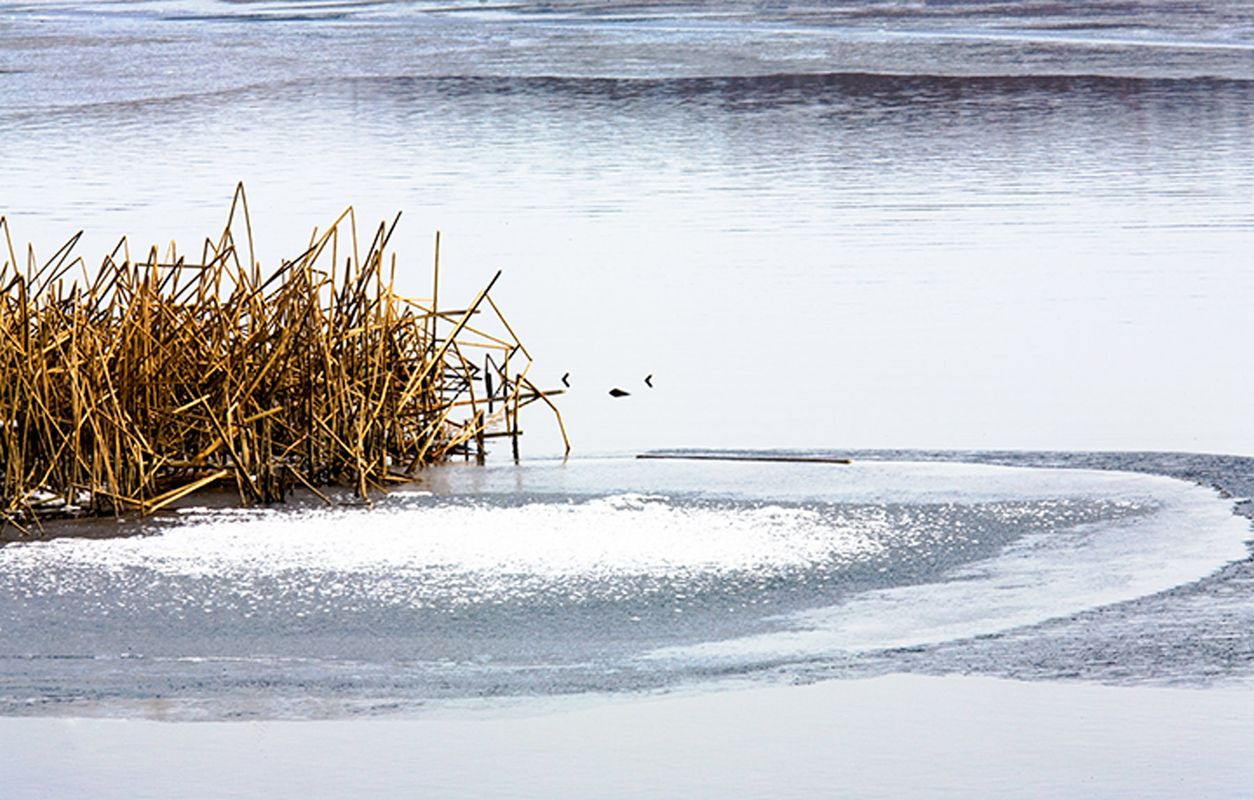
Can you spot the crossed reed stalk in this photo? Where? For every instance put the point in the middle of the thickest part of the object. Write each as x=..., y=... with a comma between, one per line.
x=132, y=387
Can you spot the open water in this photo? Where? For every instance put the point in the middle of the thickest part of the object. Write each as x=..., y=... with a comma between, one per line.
x=875, y=224
x=864, y=224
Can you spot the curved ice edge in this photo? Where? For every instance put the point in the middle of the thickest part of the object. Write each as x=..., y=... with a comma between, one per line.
x=1040, y=577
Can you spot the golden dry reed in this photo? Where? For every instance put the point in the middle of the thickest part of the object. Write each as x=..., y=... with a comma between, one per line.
x=129, y=388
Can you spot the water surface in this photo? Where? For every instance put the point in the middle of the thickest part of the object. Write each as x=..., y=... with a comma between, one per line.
x=872, y=224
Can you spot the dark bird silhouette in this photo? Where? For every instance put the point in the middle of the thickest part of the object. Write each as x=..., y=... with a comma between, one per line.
x=617, y=392
x=566, y=380
x=648, y=380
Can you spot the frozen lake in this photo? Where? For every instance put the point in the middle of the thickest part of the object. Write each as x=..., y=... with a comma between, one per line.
x=818, y=226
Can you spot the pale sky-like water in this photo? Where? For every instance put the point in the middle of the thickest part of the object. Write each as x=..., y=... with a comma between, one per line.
x=802, y=254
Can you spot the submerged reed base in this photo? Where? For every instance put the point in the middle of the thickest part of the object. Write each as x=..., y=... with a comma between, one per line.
x=127, y=389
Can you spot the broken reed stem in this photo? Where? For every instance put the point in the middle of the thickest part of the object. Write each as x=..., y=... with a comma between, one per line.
x=147, y=381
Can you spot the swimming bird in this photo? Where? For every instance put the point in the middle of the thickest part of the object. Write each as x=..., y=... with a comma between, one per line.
x=648, y=380
x=617, y=392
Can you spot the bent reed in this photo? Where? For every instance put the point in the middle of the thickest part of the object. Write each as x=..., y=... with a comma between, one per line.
x=132, y=387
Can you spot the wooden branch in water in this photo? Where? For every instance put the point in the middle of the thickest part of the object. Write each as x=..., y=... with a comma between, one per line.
x=729, y=457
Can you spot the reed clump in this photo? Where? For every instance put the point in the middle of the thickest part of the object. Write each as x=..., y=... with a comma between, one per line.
x=128, y=388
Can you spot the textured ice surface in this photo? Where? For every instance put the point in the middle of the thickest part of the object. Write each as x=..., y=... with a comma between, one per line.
x=600, y=575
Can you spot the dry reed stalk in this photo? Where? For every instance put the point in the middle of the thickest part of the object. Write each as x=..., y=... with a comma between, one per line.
x=132, y=387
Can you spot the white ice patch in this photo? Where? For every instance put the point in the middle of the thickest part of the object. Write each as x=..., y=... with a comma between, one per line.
x=1192, y=533
x=423, y=551
x=620, y=535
